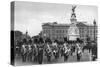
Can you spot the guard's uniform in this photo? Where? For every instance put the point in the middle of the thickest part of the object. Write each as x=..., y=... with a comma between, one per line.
x=35, y=52
x=79, y=52
x=66, y=52
x=24, y=53
x=40, y=50
x=29, y=53
x=48, y=53
x=40, y=54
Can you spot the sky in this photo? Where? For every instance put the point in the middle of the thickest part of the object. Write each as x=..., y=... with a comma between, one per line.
x=31, y=15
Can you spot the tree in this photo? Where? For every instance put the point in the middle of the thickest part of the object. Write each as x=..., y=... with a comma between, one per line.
x=17, y=37
x=18, y=33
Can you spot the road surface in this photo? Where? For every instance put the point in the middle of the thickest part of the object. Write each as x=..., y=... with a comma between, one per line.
x=85, y=57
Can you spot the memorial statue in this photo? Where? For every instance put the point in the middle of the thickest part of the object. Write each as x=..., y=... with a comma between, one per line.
x=73, y=31
x=73, y=8
x=73, y=11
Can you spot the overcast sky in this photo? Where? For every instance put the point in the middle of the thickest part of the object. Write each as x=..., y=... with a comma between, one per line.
x=30, y=15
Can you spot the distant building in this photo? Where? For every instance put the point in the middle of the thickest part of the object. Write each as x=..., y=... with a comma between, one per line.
x=59, y=31
x=55, y=31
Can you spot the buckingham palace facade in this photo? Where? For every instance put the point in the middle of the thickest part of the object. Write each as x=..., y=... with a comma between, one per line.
x=59, y=31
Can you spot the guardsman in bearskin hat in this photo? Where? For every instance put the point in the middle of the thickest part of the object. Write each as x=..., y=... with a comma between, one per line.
x=40, y=50
x=55, y=49
x=29, y=54
x=54, y=44
x=79, y=51
x=66, y=50
x=48, y=50
x=35, y=50
x=24, y=51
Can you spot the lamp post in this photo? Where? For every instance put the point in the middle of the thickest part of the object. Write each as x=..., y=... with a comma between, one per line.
x=26, y=36
x=94, y=28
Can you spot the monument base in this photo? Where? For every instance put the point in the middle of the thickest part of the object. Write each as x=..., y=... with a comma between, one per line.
x=73, y=37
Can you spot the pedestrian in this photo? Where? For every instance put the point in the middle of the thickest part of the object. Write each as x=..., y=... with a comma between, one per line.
x=79, y=51
x=94, y=51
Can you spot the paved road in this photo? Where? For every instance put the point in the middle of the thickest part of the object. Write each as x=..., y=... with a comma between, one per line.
x=85, y=57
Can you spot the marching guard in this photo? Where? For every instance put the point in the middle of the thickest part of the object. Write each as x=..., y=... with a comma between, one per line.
x=48, y=51
x=66, y=50
x=40, y=50
x=55, y=49
x=29, y=54
x=79, y=51
x=24, y=52
x=35, y=50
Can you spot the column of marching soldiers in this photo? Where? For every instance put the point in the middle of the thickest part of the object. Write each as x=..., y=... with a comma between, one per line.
x=34, y=50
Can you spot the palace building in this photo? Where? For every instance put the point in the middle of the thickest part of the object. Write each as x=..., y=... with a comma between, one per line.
x=72, y=31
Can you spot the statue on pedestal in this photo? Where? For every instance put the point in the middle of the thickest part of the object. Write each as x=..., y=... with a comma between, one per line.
x=73, y=8
x=73, y=12
x=73, y=31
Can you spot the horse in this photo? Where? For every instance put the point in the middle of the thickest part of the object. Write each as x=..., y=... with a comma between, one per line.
x=87, y=47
